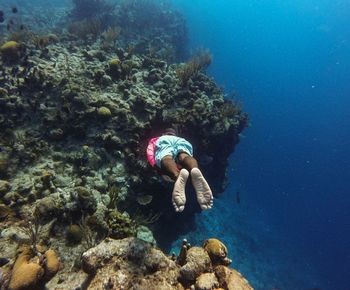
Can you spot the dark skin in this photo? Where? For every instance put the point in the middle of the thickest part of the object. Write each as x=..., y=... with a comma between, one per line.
x=169, y=166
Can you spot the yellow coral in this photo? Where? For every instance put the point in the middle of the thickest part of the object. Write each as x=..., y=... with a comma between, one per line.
x=114, y=63
x=28, y=273
x=217, y=251
x=10, y=50
x=25, y=274
x=52, y=264
x=104, y=112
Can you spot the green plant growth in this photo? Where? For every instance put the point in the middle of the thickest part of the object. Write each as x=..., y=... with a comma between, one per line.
x=113, y=192
x=120, y=225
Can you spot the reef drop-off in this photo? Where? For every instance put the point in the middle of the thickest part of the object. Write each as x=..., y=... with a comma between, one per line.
x=78, y=103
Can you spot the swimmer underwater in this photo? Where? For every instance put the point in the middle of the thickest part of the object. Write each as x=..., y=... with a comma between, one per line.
x=173, y=156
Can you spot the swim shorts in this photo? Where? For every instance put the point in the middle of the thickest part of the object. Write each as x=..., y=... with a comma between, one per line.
x=171, y=145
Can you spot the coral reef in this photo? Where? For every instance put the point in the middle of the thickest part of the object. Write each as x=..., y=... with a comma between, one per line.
x=32, y=270
x=129, y=262
x=78, y=103
x=217, y=252
x=10, y=51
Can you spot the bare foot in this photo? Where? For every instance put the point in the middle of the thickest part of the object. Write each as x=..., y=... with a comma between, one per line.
x=204, y=194
x=179, y=196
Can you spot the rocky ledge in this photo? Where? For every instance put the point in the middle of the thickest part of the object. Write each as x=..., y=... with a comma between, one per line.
x=131, y=263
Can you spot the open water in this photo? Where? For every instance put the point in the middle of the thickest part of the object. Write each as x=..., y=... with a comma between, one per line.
x=289, y=63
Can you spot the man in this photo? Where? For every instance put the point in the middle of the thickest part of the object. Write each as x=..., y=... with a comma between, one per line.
x=173, y=155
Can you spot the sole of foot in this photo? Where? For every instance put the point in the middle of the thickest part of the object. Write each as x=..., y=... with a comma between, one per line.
x=203, y=191
x=179, y=195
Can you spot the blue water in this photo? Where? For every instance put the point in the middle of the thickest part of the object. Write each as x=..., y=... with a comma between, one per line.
x=289, y=63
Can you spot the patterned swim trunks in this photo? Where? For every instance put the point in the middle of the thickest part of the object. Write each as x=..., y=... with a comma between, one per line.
x=171, y=145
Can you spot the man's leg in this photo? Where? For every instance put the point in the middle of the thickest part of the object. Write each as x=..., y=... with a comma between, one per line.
x=187, y=161
x=201, y=186
x=169, y=167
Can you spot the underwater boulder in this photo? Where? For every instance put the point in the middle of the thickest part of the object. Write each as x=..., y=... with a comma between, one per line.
x=206, y=281
x=231, y=279
x=197, y=262
x=50, y=206
x=86, y=199
x=145, y=234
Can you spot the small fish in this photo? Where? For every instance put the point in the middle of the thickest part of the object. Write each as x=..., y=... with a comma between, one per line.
x=14, y=9
x=238, y=197
x=21, y=27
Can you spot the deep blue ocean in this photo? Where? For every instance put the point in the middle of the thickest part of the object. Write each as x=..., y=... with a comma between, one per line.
x=289, y=64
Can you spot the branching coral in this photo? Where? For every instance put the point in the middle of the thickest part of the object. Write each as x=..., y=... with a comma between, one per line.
x=32, y=229
x=110, y=35
x=113, y=192
x=199, y=62
x=89, y=237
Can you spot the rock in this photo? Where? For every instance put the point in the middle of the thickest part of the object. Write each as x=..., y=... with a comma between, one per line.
x=145, y=234
x=5, y=212
x=129, y=264
x=3, y=92
x=15, y=234
x=197, y=262
x=12, y=197
x=49, y=207
x=25, y=185
x=230, y=279
x=56, y=134
x=62, y=281
x=8, y=247
x=206, y=281
x=86, y=199
x=4, y=187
